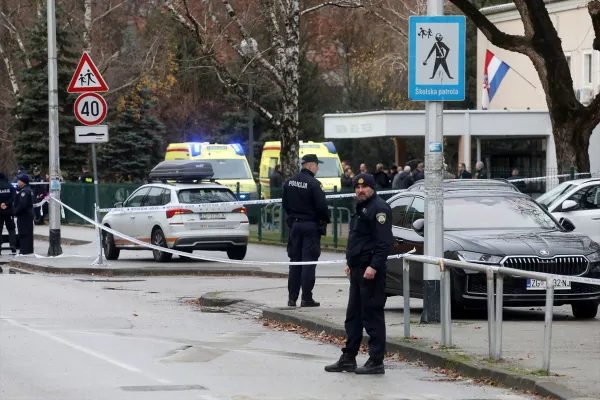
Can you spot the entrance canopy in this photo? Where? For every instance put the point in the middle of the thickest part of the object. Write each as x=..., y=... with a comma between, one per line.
x=486, y=123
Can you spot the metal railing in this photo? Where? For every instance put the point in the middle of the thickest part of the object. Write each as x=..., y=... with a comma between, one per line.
x=495, y=301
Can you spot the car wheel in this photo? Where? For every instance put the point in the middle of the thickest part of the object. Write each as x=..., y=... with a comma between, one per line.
x=585, y=310
x=108, y=244
x=237, y=252
x=185, y=251
x=158, y=239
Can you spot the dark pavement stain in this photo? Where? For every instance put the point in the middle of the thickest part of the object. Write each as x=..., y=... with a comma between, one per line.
x=162, y=388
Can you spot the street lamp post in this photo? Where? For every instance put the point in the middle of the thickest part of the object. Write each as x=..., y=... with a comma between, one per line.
x=54, y=248
x=250, y=48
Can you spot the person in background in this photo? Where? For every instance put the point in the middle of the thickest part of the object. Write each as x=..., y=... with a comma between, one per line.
x=381, y=178
x=86, y=176
x=403, y=180
x=363, y=168
x=393, y=172
x=419, y=173
x=481, y=173
x=7, y=200
x=519, y=184
x=24, y=214
x=39, y=191
x=20, y=171
x=463, y=173
x=275, y=182
x=347, y=179
x=447, y=174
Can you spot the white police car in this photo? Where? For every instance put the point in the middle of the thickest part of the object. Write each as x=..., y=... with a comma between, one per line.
x=185, y=211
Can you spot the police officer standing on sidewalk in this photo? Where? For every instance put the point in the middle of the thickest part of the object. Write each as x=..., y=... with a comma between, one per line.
x=24, y=214
x=307, y=217
x=369, y=245
x=7, y=200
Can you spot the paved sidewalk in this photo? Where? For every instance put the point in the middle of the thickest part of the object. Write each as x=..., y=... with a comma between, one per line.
x=575, y=344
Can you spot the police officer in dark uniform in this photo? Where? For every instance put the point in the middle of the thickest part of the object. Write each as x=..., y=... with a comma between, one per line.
x=369, y=245
x=86, y=176
x=24, y=214
x=7, y=200
x=307, y=217
x=39, y=192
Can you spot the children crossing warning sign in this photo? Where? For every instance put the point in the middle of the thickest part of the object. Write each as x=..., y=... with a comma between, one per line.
x=87, y=78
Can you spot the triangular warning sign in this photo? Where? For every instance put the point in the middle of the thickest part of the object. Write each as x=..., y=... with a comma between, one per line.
x=87, y=78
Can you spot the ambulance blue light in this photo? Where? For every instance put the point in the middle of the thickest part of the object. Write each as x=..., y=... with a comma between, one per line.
x=239, y=150
x=331, y=147
x=196, y=149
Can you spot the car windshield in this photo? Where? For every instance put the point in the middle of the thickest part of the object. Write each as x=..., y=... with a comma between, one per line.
x=329, y=169
x=205, y=195
x=495, y=212
x=230, y=169
x=550, y=197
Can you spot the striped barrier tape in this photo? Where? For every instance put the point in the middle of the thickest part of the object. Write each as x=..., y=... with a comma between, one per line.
x=550, y=177
x=578, y=279
x=205, y=258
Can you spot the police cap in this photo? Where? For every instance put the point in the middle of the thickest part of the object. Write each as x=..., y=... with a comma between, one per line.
x=23, y=178
x=364, y=179
x=311, y=158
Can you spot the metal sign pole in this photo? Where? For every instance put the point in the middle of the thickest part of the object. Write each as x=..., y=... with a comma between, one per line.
x=54, y=248
x=97, y=205
x=434, y=200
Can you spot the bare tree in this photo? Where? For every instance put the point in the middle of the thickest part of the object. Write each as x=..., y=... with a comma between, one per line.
x=225, y=30
x=572, y=122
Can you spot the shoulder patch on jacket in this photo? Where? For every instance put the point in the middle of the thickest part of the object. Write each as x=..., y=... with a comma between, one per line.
x=23, y=194
x=381, y=217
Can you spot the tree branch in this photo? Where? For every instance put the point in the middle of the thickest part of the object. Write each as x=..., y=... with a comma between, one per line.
x=9, y=25
x=594, y=10
x=99, y=17
x=388, y=23
x=517, y=43
x=339, y=4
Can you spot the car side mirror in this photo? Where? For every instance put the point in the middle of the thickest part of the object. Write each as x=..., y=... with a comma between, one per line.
x=119, y=205
x=568, y=205
x=419, y=227
x=567, y=224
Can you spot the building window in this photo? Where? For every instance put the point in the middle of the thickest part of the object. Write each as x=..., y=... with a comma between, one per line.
x=587, y=68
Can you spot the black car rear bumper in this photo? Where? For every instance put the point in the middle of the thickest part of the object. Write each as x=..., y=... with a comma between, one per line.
x=470, y=290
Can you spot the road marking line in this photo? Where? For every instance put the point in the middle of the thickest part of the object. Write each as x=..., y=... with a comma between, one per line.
x=81, y=348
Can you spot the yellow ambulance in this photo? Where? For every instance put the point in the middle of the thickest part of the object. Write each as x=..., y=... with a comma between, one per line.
x=330, y=172
x=228, y=162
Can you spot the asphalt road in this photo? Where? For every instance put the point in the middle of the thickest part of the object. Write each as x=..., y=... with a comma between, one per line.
x=88, y=338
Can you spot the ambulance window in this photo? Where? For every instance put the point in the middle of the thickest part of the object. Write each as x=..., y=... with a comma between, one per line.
x=272, y=164
x=231, y=169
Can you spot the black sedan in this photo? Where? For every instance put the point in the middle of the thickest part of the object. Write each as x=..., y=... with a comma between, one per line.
x=500, y=228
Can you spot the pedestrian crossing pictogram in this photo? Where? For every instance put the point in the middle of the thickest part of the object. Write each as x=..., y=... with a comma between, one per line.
x=87, y=78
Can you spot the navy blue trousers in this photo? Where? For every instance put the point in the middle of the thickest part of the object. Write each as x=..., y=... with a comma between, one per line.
x=304, y=244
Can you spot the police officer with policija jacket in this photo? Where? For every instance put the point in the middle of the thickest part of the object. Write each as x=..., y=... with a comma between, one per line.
x=24, y=214
x=307, y=217
x=7, y=200
x=369, y=245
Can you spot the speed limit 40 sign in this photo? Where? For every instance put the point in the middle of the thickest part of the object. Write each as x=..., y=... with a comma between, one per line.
x=90, y=108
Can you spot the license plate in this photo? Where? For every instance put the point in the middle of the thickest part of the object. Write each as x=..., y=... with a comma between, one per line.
x=559, y=284
x=204, y=216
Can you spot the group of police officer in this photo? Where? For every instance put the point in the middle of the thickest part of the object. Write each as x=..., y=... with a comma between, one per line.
x=17, y=204
x=369, y=244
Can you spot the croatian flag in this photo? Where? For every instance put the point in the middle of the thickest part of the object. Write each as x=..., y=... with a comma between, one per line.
x=494, y=71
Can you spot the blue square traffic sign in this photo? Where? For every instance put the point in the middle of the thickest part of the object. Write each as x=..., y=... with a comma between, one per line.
x=436, y=58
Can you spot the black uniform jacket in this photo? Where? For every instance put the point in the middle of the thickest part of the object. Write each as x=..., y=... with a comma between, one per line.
x=370, y=240
x=304, y=199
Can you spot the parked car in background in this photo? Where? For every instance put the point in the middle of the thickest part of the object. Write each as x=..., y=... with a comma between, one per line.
x=502, y=228
x=578, y=200
x=166, y=214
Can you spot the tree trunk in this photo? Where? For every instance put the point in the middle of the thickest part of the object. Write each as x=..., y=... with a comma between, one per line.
x=572, y=149
x=288, y=130
x=11, y=73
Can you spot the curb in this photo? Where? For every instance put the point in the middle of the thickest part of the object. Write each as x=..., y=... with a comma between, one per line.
x=149, y=271
x=439, y=359
x=65, y=241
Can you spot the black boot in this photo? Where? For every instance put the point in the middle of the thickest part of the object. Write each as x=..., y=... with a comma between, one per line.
x=371, y=367
x=291, y=303
x=345, y=363
x=309, y=303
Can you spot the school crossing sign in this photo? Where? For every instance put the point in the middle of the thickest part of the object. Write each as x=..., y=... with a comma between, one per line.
x=436, y=58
